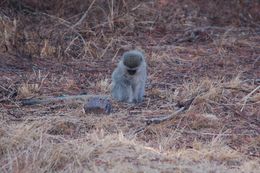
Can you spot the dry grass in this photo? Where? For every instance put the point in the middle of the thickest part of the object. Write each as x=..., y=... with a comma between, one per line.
x=35, y=148
x=207, y=53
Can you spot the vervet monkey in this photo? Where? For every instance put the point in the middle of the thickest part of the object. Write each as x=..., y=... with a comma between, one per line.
x=128, y=79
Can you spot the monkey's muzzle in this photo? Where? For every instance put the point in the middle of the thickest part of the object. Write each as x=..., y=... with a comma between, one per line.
x=131, y=72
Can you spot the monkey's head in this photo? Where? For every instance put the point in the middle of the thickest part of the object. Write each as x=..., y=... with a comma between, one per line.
x=132, y=60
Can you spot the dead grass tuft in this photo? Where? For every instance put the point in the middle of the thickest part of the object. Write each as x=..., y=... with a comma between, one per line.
x=104, y=85
x=28, y=90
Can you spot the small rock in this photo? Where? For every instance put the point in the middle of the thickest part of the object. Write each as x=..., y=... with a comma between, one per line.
x=98, y=105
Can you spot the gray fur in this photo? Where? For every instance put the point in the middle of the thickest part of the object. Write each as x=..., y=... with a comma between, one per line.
x=126, y=87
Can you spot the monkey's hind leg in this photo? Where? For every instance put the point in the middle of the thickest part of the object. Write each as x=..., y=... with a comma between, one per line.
x=121, y=92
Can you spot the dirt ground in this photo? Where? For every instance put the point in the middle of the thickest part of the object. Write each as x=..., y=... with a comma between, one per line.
x=204, y=56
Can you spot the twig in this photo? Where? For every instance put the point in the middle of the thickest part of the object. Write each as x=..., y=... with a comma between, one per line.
x=4, y=88
x=212, y=134
x=84, y=15
x=250, y=122
x=247, y=97
x=108, y=45
x=164, y=118
x=80, y=98
x=157, y=121
x=236, y=88
x=184, y=106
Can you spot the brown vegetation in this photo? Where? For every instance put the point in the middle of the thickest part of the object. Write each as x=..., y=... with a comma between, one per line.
x=205, y=52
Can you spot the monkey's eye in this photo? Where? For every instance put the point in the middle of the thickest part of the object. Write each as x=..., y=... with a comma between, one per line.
x=131, y=72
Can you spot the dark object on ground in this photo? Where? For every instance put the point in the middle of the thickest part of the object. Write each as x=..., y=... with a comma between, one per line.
x=98, y=105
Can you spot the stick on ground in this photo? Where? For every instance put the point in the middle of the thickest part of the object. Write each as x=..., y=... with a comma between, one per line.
x=77, y=98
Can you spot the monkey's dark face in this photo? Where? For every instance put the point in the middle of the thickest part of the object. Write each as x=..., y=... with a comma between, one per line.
x=131, y=72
